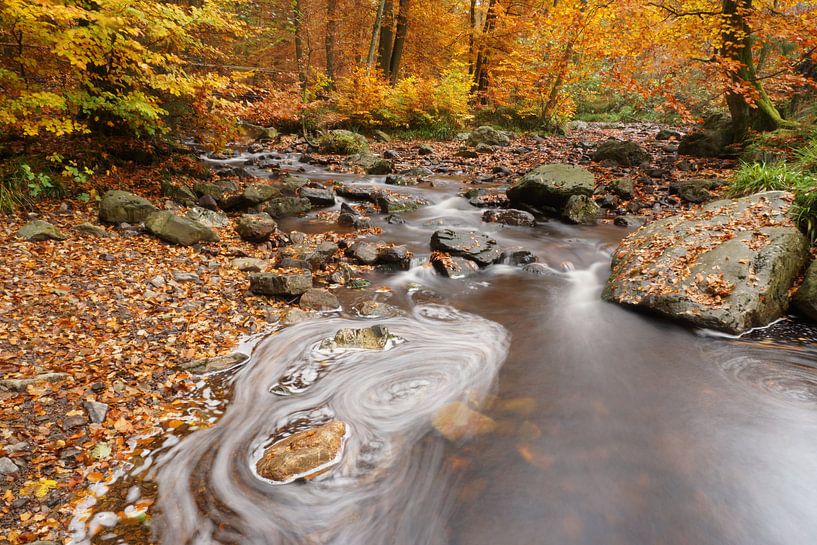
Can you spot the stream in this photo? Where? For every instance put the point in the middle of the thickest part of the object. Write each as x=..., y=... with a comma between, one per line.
x=612, y=427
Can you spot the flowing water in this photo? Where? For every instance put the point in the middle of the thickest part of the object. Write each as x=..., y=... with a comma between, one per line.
x=612, y=427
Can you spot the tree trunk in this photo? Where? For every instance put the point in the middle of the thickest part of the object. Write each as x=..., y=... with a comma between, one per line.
x=399, y=41
x=331, y=31
x=472, y=31
x=481, y=68
x=760, y=114
x=375, y=34
x=299, y=45
x=386, y=38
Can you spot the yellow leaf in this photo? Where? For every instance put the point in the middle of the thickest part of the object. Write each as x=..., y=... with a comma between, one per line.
x=38, y=488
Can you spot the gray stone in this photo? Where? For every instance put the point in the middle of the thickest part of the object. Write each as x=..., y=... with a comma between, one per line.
x=484, y=149
x=249, y=264
x=399, y=179
x=319, y=299
x=256, y=194
x=471, y=245
x=179, y=193
x=8, y=467
x=418, y=172
x=550, y=186
x=183, y=276
x=124, y=207
x=390, y=203
x=619, y=152
x=178, y=230
x=255, y=227
x=372, y=164
x=727, y=266
x=342, y=142
x=318, y=196
x=466, y=153
x=288, y=206
x=364, y=252
x=217, y=363
x=509, y=216
x=581, y=209
x=623, y=187
x=208, y=218
x=453, y=266
x=39, y=230
x=710, y=140
x=517, y=256
x=425, y=149
x=92, y=230
x=629, y=221
x=805, y=301
x=295, y=315
x=96, y=411
x=281, y=284
x=488, y=135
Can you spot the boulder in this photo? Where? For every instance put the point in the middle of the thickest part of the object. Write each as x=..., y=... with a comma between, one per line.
x=318, y=196
x=179, y=193
x=255, y=227
x=292, y=184
x=256, y=194
x=359, y=192
x=711, y=140
x=39, y=230
x=488, y=135
x=178, y=230
x=456, y=421
x=629, y=221
x=581, y=209
x=516, y=255
x=509, y=216
x=342, y=142
x=376, y=337
x=425, y=149
x=550, y=186
x=805, y=301
x=727, y=266
x=471, y=245
x=620, y=152
x=305, y=454
x=249, y=264
x=694, y=191
x=319, y=299
x=390, y=203
x=282, y=284
x=399, y=179
x=124, y=207
x=214, y=364
x=623, y=187
x=372, y=164
x=217, y=189
x=92, y=230
x=453, y=266
x=288, y=206
x=364, y=252
x=208, y=218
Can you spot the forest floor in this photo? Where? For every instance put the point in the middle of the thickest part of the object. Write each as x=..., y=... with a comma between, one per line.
x=112, y=320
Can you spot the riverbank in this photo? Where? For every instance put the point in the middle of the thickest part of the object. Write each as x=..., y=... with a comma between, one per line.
x=110, y=319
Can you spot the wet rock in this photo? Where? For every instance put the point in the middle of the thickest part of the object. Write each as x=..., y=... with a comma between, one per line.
x=249, y=264
x=359, y=192
x=536, y=269
x=805, y=301
x=342, y=142
x=96, y=411
x=550, y=186
x=178, y=230
x=517, y=256
x=256, y=194
x=393, y=204
x=418, y=172
x=620, y=152
x=218, y=189
x=399, y=179
x=92, y=230
x=295, y=315
x=509, y=216
x=395, y=220
x=319, y=299
x=318, y=196
x=372, y=164
x=124, y=207
x=208, y=218
x=502, y=170
x=288, y=206
x=8, y=467
x=726, y=266
x=489, y=136
x=453, y=266
x=456, y=421
x=290, y=185
x=182, y=194
x=484, y=198
x=218, y=363
x=471, y=245
x=631, y=222
x=255, y=227
x=364, y=252
x=399, y=256
x=39, y=230
x=694, y=191
x=342, y=274
x=582, y=210
x=371, y=308
x=305, y=454
x=376, y=337
x=281, y=284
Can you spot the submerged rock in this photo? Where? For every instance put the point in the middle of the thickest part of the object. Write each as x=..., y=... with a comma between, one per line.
x=727, y=266
x=456, y=421
x=304, y=454
x=471, y=245
x=368, y=338
x=178, y=230
x=39, y=230
x=319, y=299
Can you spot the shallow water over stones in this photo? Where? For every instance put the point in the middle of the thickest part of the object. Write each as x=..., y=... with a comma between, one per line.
x=608, y=426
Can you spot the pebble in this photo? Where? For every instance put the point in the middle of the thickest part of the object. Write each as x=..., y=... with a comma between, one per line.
x=7, y=467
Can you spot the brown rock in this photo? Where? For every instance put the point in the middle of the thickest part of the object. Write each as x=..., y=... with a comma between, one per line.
x=305, y=454
x=456, y=421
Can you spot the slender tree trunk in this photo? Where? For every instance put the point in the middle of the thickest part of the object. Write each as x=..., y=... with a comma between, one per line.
x=375, y=34
x=472, y=31
x=761, y=115
x=299, y=45
x=399, y=41
x=481, y=68
x=386, y=38
x=331, y=31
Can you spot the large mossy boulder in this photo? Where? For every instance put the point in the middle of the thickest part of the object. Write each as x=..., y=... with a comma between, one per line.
x=620, y=152
x=124, y=207
x=805, y=301
x=304, y=454
x=488, y=136
x=178, y=230
x=550, y=186
x=727, y=266
x=342, y=142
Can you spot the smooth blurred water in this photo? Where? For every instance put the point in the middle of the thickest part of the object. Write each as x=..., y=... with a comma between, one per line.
x=612, y=427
